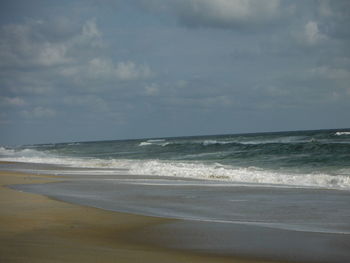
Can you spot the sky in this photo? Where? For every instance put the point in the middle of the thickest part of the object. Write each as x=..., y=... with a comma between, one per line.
x=102, y=69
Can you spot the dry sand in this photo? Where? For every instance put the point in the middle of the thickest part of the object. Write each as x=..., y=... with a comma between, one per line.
x=35, y=228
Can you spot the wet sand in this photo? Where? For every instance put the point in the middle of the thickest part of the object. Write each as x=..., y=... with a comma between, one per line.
x=35, y=228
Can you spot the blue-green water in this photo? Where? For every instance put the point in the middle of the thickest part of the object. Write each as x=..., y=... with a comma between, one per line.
x=279, y=196
x=302, y=158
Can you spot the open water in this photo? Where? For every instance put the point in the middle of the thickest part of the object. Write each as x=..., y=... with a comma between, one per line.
x=293, y=188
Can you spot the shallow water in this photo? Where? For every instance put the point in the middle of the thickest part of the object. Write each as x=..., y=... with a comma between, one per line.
x=274, y=195
x=266, y=221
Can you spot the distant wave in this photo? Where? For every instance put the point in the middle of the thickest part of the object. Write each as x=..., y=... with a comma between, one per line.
x=342, y=133
x=258, y=148
x=213, y=142
x=73, y=143
x=286, y=140
x=145, y=143
x=159, y=142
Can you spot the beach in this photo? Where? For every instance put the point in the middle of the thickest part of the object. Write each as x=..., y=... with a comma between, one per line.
x=274, y=197
x=35, y=228
x=175, y=131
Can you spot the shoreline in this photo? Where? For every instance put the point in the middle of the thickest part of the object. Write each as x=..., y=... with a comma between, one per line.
x=36, y=228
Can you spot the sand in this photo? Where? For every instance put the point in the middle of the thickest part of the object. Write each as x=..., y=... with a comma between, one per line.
x=35, y=228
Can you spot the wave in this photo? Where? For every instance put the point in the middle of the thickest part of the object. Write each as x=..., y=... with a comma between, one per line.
x=210, y=142
x=321, y=152
x=342, y=133
x=73, y=143
x=284, y=142
x=312, y=159
x=194, y=169
x=213, y=142
x=145, y=143
x=18, y=153
x=238, y=174
x=33, y=156
x=159, y=142
x=261, y=140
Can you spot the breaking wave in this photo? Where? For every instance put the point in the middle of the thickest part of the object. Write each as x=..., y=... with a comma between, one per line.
x=195, y=170
x=297, y=159
x=252, y=175
x=342, y=133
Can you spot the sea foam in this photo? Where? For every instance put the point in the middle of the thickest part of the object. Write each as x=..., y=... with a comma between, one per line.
x=195, y=170
x=297, y=159
x=238, y=174
x=342, y=133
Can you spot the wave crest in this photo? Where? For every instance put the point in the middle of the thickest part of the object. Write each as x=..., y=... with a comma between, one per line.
x=195, y=170
x=158, y=142
x=240, y=175
x=342, y=133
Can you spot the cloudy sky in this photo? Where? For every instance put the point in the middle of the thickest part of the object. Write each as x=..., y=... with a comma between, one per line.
x=116, y=69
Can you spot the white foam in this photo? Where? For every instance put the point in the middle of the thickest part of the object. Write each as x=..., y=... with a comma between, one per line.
x=289, y=139
x=211, y=142
x=145, y=143
x=159, y=142
x=25, y=153
x=236, y=174
x=195, y=170
x=342, y=133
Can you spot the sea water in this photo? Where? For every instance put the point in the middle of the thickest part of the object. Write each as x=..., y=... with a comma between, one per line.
x=297, y=183
x=318, y=159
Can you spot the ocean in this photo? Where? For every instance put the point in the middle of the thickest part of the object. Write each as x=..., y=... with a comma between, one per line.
x=296, y=159
x=293, y=188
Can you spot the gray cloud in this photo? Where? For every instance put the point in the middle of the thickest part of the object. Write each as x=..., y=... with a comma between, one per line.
x=12, y=101
x=47, y=58
x=88, y=102
x=100, y=68
x=170, y=67
x=38, y=113
x=334, y=17
x=222, y=13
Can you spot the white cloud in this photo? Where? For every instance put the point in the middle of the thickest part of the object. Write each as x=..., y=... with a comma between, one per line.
x=229, y=10
x=89, y=35
x=95, y=103
x=312, y=34
x=38, y=113
x=130, y=71
x=309, y=34
x=30, y=89
x=12, y=101
x=29, y=83
x=100, y=68
x=28, y=45
x=200, y=103
x=324, y=8
x=52, y=54
x=19, y=46
x=152, y=90
x=332, y=73
x=103, y=69
x=90, y=29
x=220, y=13
x=66, y=58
